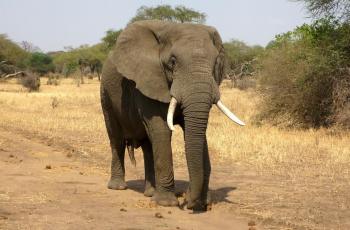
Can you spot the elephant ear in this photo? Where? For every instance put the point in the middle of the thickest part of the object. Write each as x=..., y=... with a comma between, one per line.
x=137, y=58
x=221, y=60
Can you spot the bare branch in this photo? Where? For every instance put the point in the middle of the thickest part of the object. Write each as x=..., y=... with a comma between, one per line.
x=12, y=75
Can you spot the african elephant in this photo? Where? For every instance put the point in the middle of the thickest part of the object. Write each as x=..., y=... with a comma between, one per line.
x=160, y=74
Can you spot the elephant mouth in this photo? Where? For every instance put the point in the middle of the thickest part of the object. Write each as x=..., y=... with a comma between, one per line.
x=219, y=104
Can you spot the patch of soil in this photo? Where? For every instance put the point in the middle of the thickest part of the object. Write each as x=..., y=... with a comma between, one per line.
x=42, y=187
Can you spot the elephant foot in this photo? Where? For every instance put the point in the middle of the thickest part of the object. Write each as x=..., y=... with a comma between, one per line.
x=165, y=199
x=149, y=190
x=197, y=206
x=200, y=205
x=117, y=184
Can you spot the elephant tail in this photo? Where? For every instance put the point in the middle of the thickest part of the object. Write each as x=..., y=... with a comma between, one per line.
x=131, y=153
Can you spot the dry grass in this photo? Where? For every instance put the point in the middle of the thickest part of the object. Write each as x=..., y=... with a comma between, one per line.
x=72, y=115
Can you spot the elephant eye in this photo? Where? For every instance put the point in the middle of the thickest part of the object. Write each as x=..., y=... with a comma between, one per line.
x=171, y=63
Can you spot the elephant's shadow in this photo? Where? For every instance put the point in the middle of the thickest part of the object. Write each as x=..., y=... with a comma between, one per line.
x=218, y=195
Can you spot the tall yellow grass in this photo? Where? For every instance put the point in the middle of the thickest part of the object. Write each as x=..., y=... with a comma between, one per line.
x=304, y=174
x=77, y=120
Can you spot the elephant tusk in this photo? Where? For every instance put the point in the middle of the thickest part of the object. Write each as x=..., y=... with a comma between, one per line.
x=170, y=116
x=228, y=113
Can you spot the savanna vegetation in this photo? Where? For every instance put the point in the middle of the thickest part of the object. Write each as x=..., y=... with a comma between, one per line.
x=339, y=9
x=305, y=76
x=293, y=94
x=276, y=171
x=302, y=75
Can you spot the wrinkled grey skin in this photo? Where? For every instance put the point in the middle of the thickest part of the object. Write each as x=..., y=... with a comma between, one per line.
x=152, y=62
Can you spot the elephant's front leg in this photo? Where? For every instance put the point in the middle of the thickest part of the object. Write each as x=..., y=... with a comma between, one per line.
x=160, y=137
x=164, y=174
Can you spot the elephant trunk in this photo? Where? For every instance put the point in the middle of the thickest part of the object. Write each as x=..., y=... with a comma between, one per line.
x=196, y=104
x=195, y=145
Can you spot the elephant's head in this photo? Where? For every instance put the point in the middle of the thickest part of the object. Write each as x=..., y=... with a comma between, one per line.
x=179, y=64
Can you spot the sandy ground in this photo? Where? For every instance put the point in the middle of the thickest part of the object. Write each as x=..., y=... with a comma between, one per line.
x=54, y=167
x=45, y=187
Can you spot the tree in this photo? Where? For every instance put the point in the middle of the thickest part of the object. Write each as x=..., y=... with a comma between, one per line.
x=110, y=38
x=96, y=67
x=305, y=76
x=336, y=8
x=11, y=53
x=183, y=14
x=67, y=62
x=167, y=13
x=241, y=59
x=238, y=52
x=163, y=12
x=41, y=63
x=29, y=47
x=179, y=14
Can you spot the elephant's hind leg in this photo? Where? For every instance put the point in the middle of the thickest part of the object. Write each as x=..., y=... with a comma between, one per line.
x=149, y=169
x=117, y=143
x=117, y=180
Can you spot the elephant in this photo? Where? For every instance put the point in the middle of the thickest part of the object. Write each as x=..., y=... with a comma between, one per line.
x=158, y=75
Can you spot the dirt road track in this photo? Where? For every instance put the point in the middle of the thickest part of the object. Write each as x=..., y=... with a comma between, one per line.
x=43, y=188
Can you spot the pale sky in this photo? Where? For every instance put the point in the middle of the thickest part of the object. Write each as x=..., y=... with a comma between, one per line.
x=54, y=24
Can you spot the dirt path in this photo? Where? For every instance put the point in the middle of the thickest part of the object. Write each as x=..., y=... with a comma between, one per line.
x=44, y=188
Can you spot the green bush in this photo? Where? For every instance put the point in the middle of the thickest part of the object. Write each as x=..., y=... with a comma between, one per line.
x=40, y=63
x=11, y=53
x=110, y=39
x=305, y=76
x=68, y=62
x=239, y=53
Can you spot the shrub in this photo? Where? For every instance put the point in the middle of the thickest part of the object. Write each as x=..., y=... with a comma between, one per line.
x=53, y=79
x=30, y=81
x=41, y=63
x=67, y=62
x=12, y=53
x=305, y=76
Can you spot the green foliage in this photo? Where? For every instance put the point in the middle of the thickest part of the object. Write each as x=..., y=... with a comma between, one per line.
x=11, y=52
x=40, y=63
x=306, y=75
x=242, y=63
x=67, y=62
x=167, y=13
x=162, y=12
x=110, y=38
x=238, y=52
x=183, y=14
x=334, y=8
